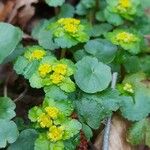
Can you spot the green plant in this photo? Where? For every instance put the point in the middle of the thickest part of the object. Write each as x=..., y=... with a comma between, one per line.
x=72, y=61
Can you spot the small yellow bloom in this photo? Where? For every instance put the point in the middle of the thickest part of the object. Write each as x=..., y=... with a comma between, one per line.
x=44, y=121
x=128, y=87
x=44, y=69
x=52, y=112
x=37, y=54
x=56, y=78
x=124, y=5
x=60, y=69
x=126, y=37
x=55, y=133
x=70, y=25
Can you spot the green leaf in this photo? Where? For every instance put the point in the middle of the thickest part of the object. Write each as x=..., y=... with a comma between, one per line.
x=137, y=108
x=101, y=29
x=34, y=113
x=55, y=93
x=92, y=76
x=10, y=36
x=72, y=127
x=68, y=85
x=113, y=18
x=54, y=2
x=8, y=132
x=87, y=131
x=42, y=143
x=25, y=141
x=102, y=49
x=45, y=40
x=7, y=107
x=91, y=112
x=66, y=10
x=139, y=133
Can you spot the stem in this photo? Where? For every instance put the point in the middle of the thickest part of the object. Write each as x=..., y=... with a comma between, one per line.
x=63, y=53
x=108, y=124
x=21, y=95
x=56, y=10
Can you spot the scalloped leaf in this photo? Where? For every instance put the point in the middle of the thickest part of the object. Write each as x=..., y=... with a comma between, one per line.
x=25, y=140
x=136, y=108
x=102, y=49
x=7, y=107
x=10, y=37
x=92, y=76
x=54, y=3
x=139, y=133
x=8, y=132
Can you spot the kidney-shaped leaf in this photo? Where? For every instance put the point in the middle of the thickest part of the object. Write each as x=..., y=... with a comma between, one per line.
x=54, y=2
x=8, y=132
x=10, y=36
x=25, y=141
x=92, y=76
x=7, y=107
x=102, y=49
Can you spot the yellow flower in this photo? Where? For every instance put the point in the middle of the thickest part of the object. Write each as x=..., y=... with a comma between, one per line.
x=37, y=54
x=55, y=133
x=124, y=5
x=45, y=121
x=126, y=37
x=60, y=69
x=52, y=112
x=56, y=78
x=128, y=87
x=44, y=69
x=70, y=25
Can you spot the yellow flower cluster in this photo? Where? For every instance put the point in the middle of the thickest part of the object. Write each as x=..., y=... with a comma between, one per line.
x=70, y=25
x=124, y=5
x=46, y=119
x=56, y=72
x=55, y=133
x=128, y=87
x=126, y=37
x=44, y=69
x=37, y=54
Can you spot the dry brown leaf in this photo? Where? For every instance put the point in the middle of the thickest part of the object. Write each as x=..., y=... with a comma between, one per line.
x=22, y=12
x=117, y=136
x=6, y=9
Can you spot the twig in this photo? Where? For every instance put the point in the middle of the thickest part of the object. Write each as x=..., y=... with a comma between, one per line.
x=5, y=86
x=21, y=95
x=63, y=53
x=108, y=122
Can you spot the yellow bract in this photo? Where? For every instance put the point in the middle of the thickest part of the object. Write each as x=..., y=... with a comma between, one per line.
x=126, y=37
x=128, y=87
x=70, y=25
x=56, y=133
x=44, y=69
x=45, y=121
x=60, y=69
x=52, y=112
x=37, y=54
x=56, y=78
x=124, y=5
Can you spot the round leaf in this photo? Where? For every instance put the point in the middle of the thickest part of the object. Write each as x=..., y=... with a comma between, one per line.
x=7, y=107
x=92, y=76
x=10, y=36
x=8, y=132
x=102, y=49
